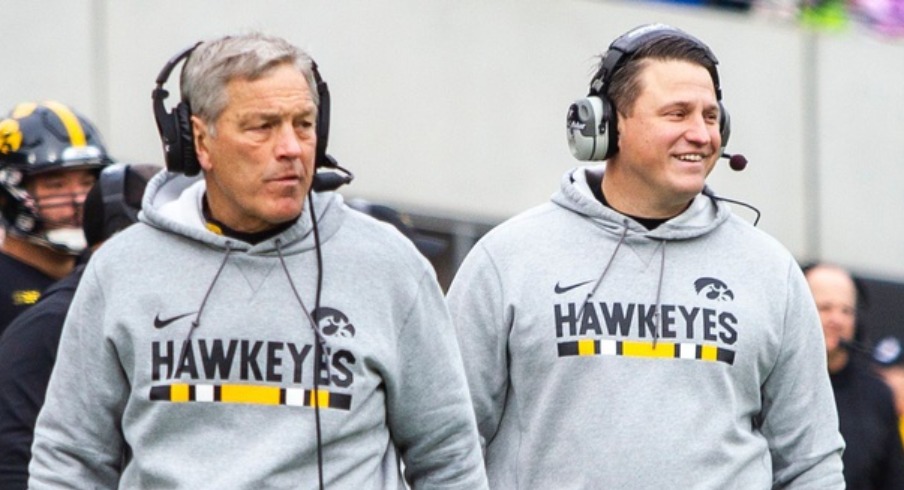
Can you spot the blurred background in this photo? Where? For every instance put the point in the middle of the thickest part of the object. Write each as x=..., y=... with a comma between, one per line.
x=452, y=112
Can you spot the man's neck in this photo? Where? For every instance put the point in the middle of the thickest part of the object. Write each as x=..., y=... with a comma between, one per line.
x=220, y=228
x=837, y=360
x=44, y=259
x=628, y=202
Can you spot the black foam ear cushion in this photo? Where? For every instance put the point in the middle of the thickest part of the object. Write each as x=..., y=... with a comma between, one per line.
x=609, y=125
x=185, y=140
x=323, y=121
x=724, y=125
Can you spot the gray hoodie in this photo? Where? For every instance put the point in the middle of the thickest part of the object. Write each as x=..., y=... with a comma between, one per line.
x=194, y=355
x=578, y=383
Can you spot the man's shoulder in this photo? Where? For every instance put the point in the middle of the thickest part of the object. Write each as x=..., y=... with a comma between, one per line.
x=376, y=240
x=537, y=221
x=12, y=267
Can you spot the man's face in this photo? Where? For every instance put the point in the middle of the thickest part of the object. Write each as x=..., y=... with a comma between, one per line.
x=670, y=142
x=59, y=196
x=260, y=163
x=836, y=299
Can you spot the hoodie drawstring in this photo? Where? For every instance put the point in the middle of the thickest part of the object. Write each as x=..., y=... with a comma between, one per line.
x=657, y=307
x=304, y=308
x=197, y=321
x=320, y=348
x=599, y=281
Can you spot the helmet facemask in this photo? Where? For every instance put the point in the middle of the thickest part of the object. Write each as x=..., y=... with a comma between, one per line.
x=38, y=141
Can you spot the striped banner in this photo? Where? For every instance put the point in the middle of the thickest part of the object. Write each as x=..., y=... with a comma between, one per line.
x=250, y=394
x=635, y=348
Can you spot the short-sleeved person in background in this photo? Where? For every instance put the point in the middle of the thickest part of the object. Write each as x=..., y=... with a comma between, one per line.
x=49, y=158
x=28, y=346
x=248, y=332
x=873, y=456
x=634, y=332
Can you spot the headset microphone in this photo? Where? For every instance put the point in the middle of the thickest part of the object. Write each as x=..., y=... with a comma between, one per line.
x=737, y=162
x=855, y=346
x=330, y=180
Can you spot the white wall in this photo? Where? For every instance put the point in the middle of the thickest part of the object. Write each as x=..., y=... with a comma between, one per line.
x=458, y=107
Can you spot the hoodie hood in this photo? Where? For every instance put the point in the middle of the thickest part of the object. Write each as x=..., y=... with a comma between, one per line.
x=704, y=214
x=173, y=203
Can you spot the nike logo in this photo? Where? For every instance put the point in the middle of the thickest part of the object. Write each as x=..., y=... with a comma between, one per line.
x=565, y=289
x=158, y=323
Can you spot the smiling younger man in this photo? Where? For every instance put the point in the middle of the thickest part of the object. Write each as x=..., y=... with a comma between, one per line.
x=633, y=332
x=298, y=343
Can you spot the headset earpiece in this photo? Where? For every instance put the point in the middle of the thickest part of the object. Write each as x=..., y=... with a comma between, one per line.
x=592, y=122
x=323, y=120
x=175, y=127
x=335, y=176
x=591, y=134
x=724, y=126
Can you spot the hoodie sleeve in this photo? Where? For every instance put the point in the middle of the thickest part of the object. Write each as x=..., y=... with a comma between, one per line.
x=799, y=417
x=78, y=443
x=428, y=406
x=475, y=301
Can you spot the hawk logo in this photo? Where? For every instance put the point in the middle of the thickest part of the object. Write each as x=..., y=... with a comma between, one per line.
x=26, y=297
x=333, y=323
x=10, y=136
x=713, y=289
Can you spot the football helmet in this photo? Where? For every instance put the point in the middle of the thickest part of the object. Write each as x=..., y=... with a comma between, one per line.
x=37, y=138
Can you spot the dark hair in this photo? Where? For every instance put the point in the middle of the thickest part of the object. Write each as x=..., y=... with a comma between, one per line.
x=625, y=84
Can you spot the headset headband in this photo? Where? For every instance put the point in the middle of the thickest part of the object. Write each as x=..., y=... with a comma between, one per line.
x=626, y=45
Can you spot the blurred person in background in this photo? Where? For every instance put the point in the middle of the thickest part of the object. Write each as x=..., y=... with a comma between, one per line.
x=49, y=158
x=873, y=457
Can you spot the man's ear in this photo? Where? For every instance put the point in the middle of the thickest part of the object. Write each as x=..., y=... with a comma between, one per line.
x=201, y=136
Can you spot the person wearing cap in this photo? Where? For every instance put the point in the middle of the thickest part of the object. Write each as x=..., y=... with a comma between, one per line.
x=49, y=157
x=873, y=457
x=888, y=361
x=28, y=346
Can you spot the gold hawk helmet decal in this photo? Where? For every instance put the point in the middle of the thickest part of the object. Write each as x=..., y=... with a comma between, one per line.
x=10, y=136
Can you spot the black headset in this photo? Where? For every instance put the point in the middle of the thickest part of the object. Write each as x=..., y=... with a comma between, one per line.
x=178, y=140
x=592, y=122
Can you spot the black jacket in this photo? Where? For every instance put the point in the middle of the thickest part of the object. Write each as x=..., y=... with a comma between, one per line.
x=28, y=351
x=873, y=458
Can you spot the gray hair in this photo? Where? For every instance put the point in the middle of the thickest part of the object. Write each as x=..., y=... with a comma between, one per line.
x=213, y=64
